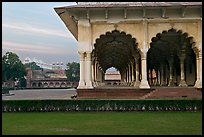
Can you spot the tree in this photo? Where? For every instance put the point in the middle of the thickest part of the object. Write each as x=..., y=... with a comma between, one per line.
x=33, y=66
x=72, y=71
x=12, y=67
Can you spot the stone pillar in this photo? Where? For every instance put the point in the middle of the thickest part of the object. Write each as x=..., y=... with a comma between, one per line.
x=200, y=60
x=198, y=83
x=144, y=83
x=96, y=73
x=89, y=71
x=103, y=76
x=171, y=83
x=92, y=68
x=162, y=75
x=100, y=75
x=158, y=77
x=182, y=81
x=124, y=76
x=137, y=82
x=127, y=75
x=133, y=79
x=82, y=68
x=129, y=70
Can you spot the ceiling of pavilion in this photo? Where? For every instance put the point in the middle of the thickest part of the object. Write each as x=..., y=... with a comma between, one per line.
x=115, y=49
x=168, y=46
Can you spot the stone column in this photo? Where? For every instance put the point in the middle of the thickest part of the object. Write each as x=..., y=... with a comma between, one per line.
x=129, y=70
x=96, y=73
x=198, y=83
x=102, y=76
x=200, y=60
x=137, y=82
x=182, y=81
x=82, y=68
x=124, y=76
x=162, y=75
x=158, y=77
x=89, y=71
x=133, y=79
x=92, y=68
x=127, y=75
x=171, y=83
x=144, y=83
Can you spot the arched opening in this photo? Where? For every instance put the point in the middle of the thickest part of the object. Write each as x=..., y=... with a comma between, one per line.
x=57, y=84
x=51, y=85
x=171, y=60
x=45, y=85
x=112, y=76
x=120, y=51
x=63, y=84
x=39, y=85
x=34, y=85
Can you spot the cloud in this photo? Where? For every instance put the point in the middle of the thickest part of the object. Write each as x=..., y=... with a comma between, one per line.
x=32, y=48
x=27, y=28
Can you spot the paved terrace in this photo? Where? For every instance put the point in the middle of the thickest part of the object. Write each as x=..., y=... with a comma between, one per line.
x=124, y=92
x=38, y=94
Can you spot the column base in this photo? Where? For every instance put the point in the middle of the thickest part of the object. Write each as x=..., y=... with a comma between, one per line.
x=198, y=84
x=163, y=83
x=171, y=83
x=144, y=84
x=132, y=83
x=81, y=85
x=183, y=83
x=94, y=84
x=89, y=85
x=137, y=84
x=157, y=83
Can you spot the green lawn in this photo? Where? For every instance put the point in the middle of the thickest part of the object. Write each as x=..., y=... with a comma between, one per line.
x=102, y=123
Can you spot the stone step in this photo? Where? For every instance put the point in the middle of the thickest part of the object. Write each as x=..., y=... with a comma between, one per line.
x=175, y=93
x=117, y=93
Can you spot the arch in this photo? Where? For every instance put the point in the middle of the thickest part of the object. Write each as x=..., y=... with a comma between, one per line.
x=39, y=85
x=168, y=51
x=112, y=74
x=57, y=84
x=45, y=84
x=119, y=50
x=34, y=85
x=51, y=84
x=179, y=26
x=115, y=49
x=63, y=84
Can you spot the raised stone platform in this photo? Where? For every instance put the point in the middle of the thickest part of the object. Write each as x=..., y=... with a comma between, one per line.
x=175, y=92
x=113, y=93
x=132, y=93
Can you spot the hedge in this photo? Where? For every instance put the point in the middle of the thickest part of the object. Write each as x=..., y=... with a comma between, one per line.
x=100, y=105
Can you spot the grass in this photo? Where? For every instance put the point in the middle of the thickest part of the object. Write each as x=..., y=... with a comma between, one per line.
x=102, y=123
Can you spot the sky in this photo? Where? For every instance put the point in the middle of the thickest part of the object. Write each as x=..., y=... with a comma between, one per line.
x=34, y=30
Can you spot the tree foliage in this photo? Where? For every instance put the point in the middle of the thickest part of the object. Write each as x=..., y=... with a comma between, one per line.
x=12, y=67
x=33, y=66
x=72, y=71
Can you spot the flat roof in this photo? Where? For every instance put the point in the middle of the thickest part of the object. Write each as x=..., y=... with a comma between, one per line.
x=132, y=4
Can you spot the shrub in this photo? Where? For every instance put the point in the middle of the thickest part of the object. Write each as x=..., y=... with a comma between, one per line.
x=100, y=105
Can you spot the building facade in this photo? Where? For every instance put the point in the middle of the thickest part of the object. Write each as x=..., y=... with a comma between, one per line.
x=48, y=79
x=150, y=43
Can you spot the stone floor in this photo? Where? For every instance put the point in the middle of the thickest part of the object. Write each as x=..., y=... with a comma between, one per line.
x=29, y=94
x=110, y=91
